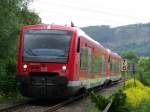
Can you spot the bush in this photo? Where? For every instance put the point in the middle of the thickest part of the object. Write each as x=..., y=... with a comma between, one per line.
x=100, y=101
x=7, y=76
x=131, y=99
x=143, y=107
x=136, y=95
x=118, y=101
x=130, y=84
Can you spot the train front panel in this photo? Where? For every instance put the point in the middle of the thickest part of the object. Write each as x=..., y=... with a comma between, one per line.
x=46, y=61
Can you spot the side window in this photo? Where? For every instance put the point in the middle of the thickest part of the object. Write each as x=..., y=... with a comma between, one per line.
x=98, y=64
x=103, y=64
x=95, y=64
x=114, y=66
x=84, y=59
x=111, y=65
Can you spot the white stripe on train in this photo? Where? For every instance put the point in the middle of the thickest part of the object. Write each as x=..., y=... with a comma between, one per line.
x=89, y=83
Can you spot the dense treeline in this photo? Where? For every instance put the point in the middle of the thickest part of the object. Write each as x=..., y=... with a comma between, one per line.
x=134, y=37
x=13, y=15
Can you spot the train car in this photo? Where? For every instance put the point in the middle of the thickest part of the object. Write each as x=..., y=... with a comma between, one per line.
x=59, y=61
x=113, y=67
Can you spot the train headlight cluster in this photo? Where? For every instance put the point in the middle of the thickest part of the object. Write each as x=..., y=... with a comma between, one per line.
x=64, y=68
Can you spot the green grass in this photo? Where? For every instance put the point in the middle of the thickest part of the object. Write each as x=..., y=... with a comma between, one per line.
x=11, y=98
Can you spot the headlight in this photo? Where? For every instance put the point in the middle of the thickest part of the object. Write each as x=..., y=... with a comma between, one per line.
x=25, y=66
x=64, y=68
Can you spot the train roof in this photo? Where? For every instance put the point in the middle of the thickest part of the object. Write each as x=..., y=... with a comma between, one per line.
x=65, y=27
x=82, y=33
x=48, y=26
x=69, y=28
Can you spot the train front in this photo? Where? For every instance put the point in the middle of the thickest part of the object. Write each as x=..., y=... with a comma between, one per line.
x=44, y=61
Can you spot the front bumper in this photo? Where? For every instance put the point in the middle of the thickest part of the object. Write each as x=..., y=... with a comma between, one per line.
x=43, y=86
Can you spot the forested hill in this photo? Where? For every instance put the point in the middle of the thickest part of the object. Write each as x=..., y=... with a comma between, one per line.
x=134, y=37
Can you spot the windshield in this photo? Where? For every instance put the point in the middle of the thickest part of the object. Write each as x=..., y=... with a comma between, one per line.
x=47, y=45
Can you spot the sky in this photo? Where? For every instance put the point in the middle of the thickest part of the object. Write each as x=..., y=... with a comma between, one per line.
x=92, y=12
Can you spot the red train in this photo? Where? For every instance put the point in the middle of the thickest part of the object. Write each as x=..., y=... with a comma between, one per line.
x=60, y=61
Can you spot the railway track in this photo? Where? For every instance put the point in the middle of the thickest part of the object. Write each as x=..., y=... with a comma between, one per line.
x=34, y=107
x=31, y=106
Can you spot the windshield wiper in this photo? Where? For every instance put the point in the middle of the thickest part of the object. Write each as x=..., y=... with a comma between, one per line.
x=29, y=51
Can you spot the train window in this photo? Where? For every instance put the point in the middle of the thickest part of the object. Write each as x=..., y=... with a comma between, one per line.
x=78, y=45
x=84, y=59
x=95, y=64
x=114, y=66
x=102, y=63
x=111, y=65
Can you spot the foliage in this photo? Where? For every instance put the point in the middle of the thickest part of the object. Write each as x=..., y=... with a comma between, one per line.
x=100, y=101
x=118, y=101
x=136, y=95
x=143, y=107
x=131, y=56
x=144, y=71
x=7, y=78
x=131, y=99
x=130, y=83
x=11, y=98
x=13, y=15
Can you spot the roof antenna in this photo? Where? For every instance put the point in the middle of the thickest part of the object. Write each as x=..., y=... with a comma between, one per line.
x=72, y=24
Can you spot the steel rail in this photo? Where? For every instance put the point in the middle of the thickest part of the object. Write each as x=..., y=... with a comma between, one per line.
x=60, y=105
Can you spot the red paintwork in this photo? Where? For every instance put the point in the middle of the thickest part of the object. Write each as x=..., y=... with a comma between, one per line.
x=73, y=71
x=50, y=67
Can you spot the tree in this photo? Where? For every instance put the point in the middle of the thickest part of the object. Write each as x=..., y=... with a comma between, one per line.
x=13, y=15
x=131, y=56
x=143, y=70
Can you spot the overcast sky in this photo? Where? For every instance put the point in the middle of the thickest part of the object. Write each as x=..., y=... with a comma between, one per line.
x=92, y=12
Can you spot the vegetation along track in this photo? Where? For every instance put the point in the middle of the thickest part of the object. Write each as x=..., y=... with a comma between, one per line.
x=42, y=106
x=108, y=106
